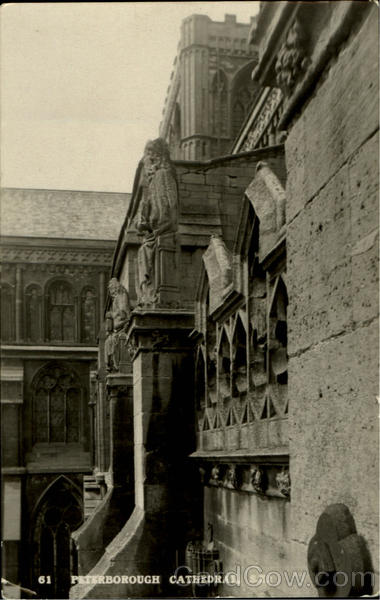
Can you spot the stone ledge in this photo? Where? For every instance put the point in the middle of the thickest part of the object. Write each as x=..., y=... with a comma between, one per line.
x=279, y=454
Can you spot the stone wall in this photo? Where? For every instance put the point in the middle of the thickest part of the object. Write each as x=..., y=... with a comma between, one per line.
x=252, y=535
x=332, y=221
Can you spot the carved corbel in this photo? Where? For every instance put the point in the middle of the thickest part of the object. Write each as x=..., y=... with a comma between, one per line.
x=215, y=476
x=283, y=482
x=230, y=480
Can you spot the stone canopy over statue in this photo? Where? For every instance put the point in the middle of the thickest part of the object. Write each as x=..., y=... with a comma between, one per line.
x=157, y=222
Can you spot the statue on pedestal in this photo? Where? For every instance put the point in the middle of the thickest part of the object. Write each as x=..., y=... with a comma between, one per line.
x=157, y=218
x=116, y=320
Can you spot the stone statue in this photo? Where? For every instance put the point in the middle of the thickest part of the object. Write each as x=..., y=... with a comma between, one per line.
x=116, y=320
x=157, y=217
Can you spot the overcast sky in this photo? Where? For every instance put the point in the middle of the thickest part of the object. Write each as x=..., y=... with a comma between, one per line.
x=83, y=86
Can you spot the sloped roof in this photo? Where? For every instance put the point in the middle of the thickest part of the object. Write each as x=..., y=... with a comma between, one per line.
x=62, y=213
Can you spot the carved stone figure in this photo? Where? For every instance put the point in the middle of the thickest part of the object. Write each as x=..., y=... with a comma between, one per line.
x=283, y=482
x=215, y=472
x=257, y=479
x=157, y=218
x=231, y=480
x=116, y=320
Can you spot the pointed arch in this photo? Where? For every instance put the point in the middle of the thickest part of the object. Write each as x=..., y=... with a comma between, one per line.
x=58, y=512
x=278, y=333
x=200, y=380
x=224, y=366
x=239, y=358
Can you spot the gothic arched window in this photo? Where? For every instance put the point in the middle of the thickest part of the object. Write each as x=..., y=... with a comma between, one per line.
x=33, y=310
x=219, y=104
x=243, y=93
x=57, y=399
x=58, y=514
x=88, y=315
x=61, y=312
x=7, y=313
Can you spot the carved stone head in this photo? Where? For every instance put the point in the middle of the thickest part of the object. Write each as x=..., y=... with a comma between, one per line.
x=156, y=155
x=114, y=287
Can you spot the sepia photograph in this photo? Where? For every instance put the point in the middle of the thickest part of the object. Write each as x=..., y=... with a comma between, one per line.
x=189, y=289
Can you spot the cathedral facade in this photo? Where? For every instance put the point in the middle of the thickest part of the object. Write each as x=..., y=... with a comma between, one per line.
x=56, y=255
x=234, y=399
x=248, y=336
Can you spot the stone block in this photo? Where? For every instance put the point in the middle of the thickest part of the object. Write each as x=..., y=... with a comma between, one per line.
x=363, y=173
x=277, y=432
x=319, y=267
x=365, y=278
x=141, y=365
x=337, y=120
x=333, y=389
x=232, y=438
x=193, y=178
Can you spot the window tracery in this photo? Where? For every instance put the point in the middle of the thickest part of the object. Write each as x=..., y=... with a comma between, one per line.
x=61, y=312
x=57, y=398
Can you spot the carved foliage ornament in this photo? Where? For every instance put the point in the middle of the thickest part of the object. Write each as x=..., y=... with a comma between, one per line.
x=292, y=61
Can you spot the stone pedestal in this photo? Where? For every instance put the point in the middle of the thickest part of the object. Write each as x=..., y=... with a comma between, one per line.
x=166, y=270
x=152, y=540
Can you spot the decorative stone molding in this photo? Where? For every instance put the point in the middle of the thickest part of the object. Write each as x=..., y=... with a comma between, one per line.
x=263, y=119
x=57, y=255
x=256, y=478
x=292, y=60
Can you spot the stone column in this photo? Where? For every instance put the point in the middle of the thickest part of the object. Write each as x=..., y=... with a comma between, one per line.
x=101, y=297
x=163, y=432
x=18, y=312
x=120, y=396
